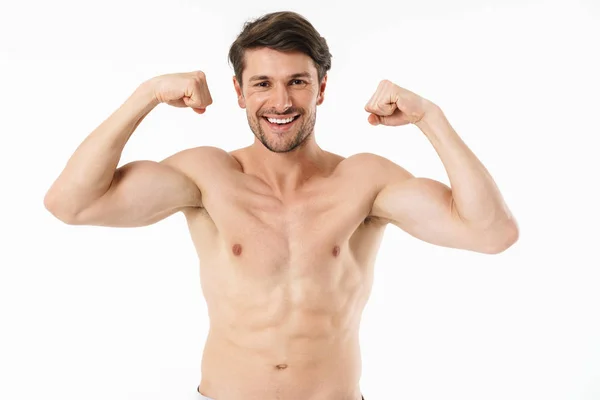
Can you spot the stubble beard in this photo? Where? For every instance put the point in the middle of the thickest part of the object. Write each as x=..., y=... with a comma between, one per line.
x=291, y=140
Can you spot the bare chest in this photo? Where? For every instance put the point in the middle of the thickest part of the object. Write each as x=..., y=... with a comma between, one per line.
x=307, y=235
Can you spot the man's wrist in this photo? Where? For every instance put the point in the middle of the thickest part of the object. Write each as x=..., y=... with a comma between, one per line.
x=433, y=122
x=146, y=93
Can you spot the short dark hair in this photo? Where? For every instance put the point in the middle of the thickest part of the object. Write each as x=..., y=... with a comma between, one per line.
x=285, y=31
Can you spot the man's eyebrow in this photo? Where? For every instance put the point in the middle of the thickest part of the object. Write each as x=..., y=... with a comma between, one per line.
x=293, y=76
x=300, y=75
x=258, y=78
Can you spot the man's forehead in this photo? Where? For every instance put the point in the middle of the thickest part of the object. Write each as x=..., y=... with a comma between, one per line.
x=277, y=64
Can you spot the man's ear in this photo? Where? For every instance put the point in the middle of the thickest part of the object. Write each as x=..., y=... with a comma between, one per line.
x=322, y=91
x=240, y=94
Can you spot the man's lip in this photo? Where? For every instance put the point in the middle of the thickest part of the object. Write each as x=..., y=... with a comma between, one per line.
x=281, y=116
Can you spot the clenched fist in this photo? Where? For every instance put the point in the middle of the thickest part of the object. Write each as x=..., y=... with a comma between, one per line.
x=392, y=105
x=186, y=89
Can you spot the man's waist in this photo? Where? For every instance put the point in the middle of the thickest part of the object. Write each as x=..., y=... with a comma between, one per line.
x=273, y=344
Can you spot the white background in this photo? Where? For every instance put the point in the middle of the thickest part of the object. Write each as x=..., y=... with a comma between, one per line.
x=107, y=313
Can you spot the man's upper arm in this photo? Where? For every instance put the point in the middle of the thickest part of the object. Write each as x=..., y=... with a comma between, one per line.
x=424, y=208
x=144, y=192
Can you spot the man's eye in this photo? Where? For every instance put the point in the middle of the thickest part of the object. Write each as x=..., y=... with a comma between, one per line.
x=262, y=84
x=298, y=81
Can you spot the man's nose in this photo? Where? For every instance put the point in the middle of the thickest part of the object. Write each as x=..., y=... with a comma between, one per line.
x=282, y=99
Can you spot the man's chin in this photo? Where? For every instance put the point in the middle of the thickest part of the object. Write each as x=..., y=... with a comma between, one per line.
x=277, y=148
x=279, y=145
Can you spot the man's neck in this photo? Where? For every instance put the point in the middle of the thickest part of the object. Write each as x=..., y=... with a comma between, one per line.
x=286, y=172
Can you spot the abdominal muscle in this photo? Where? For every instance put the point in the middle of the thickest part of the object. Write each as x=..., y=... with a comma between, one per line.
x=231, y=372
x=285, y=337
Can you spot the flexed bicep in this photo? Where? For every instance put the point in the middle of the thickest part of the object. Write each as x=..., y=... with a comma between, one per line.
x=424, y=208
x=142, y=193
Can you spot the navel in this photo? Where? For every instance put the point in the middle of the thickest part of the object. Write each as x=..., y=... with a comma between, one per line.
x=237, y=249
x=336, y=251
x=281, y=366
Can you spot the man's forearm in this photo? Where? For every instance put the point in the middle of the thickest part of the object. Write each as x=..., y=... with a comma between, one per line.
x=89, y=172
x=477, y=199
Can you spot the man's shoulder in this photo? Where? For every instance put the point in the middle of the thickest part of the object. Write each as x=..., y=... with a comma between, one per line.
x=204, y=154
x=375, y=168
x=367, y=161
x=194, y=152
x=203, y=160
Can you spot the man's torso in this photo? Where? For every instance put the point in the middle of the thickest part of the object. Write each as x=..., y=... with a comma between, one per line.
x=285, y=280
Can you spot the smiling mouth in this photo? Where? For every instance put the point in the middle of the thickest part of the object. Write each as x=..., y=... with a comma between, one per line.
x=281, y=121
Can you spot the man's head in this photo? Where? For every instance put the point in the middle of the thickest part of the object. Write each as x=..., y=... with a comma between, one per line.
x=280, y=63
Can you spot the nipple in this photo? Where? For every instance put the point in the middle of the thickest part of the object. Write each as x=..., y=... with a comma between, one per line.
x=237, y=249
x=336, y=251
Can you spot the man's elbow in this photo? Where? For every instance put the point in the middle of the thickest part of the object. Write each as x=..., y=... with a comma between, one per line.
x=56, y=207
x=502, y=238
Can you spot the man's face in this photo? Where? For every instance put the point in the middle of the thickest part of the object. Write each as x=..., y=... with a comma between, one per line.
x=280, y=93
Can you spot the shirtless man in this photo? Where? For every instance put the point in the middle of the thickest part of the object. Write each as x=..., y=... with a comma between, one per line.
x=286, y=232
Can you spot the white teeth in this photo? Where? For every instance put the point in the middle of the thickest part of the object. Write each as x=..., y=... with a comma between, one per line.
x=280, y=121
